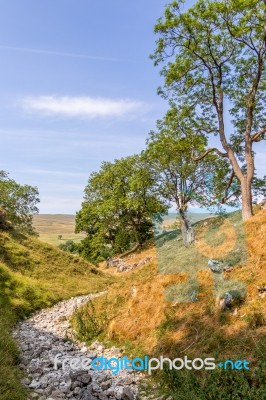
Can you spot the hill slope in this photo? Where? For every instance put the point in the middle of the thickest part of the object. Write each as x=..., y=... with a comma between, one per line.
x=34, y=275
x=135, y=312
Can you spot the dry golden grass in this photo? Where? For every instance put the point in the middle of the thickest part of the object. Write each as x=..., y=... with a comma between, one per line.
x=229, y=235
x=137, y=311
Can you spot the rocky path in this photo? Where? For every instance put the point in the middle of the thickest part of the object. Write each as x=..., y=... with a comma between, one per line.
x=43, y=337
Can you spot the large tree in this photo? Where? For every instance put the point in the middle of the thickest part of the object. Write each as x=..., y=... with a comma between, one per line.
x=214, y=57
x=19, y=202
x=118, y=206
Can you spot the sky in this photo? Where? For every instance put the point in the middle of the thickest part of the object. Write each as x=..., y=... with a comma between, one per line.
x=77, y=88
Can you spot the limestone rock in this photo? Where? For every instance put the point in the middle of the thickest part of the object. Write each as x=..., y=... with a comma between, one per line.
x=215, y=266
x=46, y=355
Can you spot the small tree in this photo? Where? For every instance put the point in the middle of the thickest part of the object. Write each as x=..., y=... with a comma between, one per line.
x=19, y=202
x=214, y=59
x=180, y=179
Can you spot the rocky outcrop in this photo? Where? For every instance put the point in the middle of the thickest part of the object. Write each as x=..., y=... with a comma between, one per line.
x=218, y=266
x=122, y=265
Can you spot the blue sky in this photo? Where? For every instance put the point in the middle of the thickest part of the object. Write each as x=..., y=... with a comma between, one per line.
x=77, y=88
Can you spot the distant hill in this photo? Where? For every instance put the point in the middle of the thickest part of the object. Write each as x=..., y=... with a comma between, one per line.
x=50, y=226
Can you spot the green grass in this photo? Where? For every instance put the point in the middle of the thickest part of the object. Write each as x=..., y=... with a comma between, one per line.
x=34, y=275
x=214, y=385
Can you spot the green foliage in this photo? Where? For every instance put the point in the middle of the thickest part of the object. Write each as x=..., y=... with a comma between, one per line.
x=70, y=246
x=88, y=324
x=180, y=179
x=209, y=37
x=118, y=205
x=19, y=202
x=259, y=188
x=213, y=61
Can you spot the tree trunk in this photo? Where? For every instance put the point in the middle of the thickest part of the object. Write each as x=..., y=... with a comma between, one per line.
x=186, y=229
x=247, y=211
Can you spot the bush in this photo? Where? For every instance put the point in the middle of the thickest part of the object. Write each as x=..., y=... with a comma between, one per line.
x=88, y=324
x=70, y=246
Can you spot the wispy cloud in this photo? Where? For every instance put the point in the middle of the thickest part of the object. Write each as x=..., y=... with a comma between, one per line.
x=87, y=107
x=57, y=53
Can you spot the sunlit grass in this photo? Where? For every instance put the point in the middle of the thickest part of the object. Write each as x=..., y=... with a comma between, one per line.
x=34, y=275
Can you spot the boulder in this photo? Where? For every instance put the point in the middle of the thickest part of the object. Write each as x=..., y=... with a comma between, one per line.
x=215, y=266
x=80, y=378
x=127, y=394
x=226, y=301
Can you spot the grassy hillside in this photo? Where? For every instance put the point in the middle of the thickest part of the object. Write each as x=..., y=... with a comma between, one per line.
x=135, y=311
x=34, y=275
x=50, y=226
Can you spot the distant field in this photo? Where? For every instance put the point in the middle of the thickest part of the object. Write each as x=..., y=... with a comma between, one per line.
x=50, y=226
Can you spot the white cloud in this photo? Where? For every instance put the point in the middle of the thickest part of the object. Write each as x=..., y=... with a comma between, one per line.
x=87, y=107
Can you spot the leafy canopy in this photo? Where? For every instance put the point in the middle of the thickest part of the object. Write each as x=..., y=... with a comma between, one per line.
x=213, y=56
x=180, y=179
x=213, y=61
x=118, y=205
x=19, y=202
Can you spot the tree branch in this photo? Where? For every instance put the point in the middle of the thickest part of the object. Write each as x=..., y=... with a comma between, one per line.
x=213, y=149
x=225, y=198
x=256, y=136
